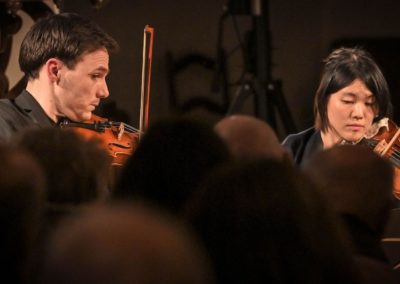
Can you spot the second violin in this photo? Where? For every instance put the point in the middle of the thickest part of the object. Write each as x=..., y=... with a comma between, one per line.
x=383, y=138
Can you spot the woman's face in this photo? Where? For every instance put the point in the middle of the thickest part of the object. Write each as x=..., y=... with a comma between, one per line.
x=350, y=112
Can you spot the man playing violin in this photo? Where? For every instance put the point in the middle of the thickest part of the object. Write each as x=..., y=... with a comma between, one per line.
x=352, y=95
x=66, y=60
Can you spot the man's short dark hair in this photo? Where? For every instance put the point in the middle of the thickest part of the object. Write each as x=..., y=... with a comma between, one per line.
x=65, y=36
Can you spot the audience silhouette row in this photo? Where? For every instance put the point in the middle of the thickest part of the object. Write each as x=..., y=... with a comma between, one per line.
x=194, y=204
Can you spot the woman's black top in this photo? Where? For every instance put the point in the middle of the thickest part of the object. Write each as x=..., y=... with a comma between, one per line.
x=303, y=144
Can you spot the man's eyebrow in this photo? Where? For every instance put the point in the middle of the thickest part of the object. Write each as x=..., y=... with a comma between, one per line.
x=103, y=69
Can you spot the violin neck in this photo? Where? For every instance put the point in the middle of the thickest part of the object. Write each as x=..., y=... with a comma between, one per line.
x=95, y=126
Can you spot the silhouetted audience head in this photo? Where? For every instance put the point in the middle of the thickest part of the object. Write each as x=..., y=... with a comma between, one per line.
x=391, y=239
x=249, y=137
x=125, y=244
x=171, y=159
x=263, y=222
x=77, y=170
x=21, y=207
x=373, y=271
x=359, y=185
x=356, y=181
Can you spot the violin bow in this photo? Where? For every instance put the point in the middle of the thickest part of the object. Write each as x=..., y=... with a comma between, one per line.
x=148, y=37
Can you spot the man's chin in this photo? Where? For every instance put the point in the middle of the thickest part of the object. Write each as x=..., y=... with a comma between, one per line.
x=85, y=117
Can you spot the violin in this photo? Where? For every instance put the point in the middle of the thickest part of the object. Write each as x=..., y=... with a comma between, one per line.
x=383, y=138
x=120, y=139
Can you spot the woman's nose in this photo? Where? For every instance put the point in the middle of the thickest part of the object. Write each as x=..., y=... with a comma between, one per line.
x=358, y=110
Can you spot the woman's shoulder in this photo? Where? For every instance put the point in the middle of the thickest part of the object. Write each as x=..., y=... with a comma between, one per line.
x=299, y=137
x=303, y=144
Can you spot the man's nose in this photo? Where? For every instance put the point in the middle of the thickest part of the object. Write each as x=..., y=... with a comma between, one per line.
x=103, y=91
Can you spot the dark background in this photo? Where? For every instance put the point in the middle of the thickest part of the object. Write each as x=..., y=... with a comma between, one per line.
x=301, y=34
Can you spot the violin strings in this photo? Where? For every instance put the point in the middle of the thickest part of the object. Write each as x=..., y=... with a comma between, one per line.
x=394, y=157
x=396, y=154
x=128, y=127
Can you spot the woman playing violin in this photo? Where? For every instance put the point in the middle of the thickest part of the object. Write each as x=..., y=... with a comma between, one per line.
x=352, y=95
x=66, y=61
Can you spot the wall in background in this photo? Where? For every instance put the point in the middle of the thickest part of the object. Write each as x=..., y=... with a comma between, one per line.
x=302, y=33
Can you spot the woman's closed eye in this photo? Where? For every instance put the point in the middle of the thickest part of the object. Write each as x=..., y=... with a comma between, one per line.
x=348, y=101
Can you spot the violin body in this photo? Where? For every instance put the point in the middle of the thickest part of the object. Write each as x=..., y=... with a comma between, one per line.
x=386, y=143
x=119, y=139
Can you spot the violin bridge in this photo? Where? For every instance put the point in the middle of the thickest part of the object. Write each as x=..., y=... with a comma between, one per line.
x=380, y=147
x=121, y=131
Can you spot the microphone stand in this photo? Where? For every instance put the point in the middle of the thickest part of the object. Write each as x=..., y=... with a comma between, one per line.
x=269, y=101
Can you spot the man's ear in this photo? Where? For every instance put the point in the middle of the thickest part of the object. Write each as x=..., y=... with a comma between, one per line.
x=53, y=66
